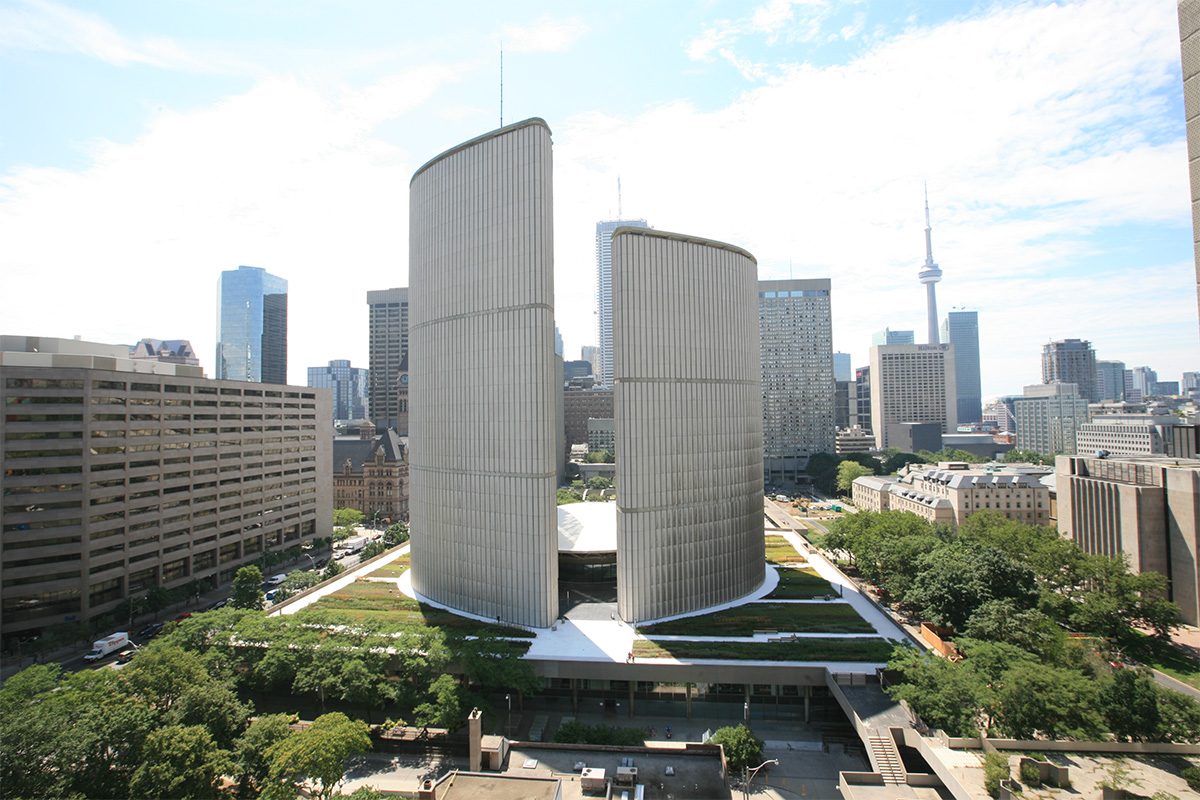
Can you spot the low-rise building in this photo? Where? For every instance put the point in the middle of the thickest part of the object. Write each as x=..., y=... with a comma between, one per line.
x=370, y=472
x=853, y=440
x=952, y=491
x=600, y=435
x=1137, y=434
x=1146, y=507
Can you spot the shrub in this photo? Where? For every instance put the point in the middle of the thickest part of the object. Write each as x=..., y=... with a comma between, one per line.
x=995, y=769
x=1030, y=775
x=1192, y=776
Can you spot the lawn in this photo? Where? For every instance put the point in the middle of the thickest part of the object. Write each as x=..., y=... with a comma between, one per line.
x=1168, y=658
x=780, y=551
x=395, y=569
x=784, y=617
x=383, y=602
x=872, y=649
x=800, y=584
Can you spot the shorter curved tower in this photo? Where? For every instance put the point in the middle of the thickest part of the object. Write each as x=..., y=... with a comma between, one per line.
x=930, y=274
x=688, y=414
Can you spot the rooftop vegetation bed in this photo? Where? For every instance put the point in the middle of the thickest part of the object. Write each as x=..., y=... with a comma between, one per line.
x=784, y=617
x=780, y=551
x=384, y=602
x=800, y=584
x=395, y=569
x=872, y=649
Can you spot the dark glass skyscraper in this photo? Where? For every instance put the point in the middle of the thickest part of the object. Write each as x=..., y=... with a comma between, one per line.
x=252, y=326
x=961, y=329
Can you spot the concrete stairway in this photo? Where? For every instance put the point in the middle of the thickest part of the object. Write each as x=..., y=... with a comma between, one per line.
x=886, y=758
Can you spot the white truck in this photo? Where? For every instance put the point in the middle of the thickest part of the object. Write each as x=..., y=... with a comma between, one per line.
x=109, y=644
x=353, y=545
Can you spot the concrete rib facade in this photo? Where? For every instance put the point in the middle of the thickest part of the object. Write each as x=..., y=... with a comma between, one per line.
x=482, y=457
x=688, y=410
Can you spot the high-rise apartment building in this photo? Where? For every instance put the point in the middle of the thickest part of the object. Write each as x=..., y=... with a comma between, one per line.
x=796, y=341
x=1071, y=361
x=252, y=326
x=481, y=265
x=889, y=336
x=388, y=329
x=1048, y=417
x=347, y=384
x=842, y=371
x=862, y=398
x=122, y=476
x=1110, y=381
x=911, y=383
x=961, y=329
x=604, y=293
x=688, y=422
x=591, y=355
x=1143, y=379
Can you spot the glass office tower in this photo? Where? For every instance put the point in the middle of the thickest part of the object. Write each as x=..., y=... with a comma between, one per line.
x=252, y=326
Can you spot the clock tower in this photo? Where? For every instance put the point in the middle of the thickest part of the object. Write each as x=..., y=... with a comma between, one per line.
x=402, y=397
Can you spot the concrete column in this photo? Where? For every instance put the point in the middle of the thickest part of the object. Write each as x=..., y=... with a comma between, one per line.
x=689, y=700
x=631, y=685
x=807, y=702
x=475, y=739
x=575, y=695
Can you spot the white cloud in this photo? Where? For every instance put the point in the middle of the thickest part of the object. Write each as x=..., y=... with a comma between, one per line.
x=1045, y=131
x=547, y=35
x=775, y=19
x=39, y=25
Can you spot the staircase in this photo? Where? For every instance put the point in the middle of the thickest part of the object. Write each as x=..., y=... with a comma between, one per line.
x=886, y=758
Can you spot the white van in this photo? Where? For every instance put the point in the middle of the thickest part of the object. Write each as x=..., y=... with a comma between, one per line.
x=275, y=580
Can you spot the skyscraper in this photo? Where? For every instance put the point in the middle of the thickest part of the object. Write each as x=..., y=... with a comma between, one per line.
x=930, y=274
x=862, y=398
x=796, y=340
x=688, y=423
x=347, y=384
x=1048, y=417
x=483, y=466
x=911, y=383
x=1110, y=381
x=1071, y=361
x=388, y=326
x=889, y=336
x=1144, y=379
x=252, y=326
x=961, y=329
x=842, y=370
x=604, y=293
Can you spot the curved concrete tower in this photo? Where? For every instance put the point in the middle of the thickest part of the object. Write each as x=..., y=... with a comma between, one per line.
x=688, y=410
x=481, y=358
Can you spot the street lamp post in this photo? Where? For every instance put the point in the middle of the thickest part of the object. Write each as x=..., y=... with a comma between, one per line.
x=508, y=719
x=752, y=773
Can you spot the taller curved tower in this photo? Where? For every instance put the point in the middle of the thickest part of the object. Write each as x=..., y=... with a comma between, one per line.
x=688, y=413
x=482, y=458
x=930, y=274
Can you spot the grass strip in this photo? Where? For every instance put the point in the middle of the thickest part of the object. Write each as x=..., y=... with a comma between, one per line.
x=780, y=551
x=874, y=649
x=395, y=569
x=784, y=617
x=800, y=584
x=384, y=602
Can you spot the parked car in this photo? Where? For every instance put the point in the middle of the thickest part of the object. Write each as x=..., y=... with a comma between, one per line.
x=150, y=631
x=183, y=616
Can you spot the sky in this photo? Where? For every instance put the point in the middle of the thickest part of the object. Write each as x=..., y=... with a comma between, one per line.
x=147, y=146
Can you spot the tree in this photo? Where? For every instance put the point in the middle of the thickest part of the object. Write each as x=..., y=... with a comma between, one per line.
x=251, y=749
x=599, y=483
x=1129, y=703
x=316, y=756
x=1028, y=629
x=1027, y=457
x=957, y=578
x=396, y=534
x=1179, y=717
x=373, y=549
x=216, y=708
x=943, y=694
x=347, y=517
x=247, y=588
x=742, y=748
x=1058, y=703
x=898, y=461
x=847, y=472
x=180, y=762
x=444, y=707
x=163, y=673
x=332, y=570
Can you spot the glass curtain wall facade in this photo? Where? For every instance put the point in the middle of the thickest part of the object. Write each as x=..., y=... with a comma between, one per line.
x=347, y=384
x=961, y=329
x=252, y=326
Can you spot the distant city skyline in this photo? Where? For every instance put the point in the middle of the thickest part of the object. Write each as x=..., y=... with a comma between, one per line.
x=149, y=147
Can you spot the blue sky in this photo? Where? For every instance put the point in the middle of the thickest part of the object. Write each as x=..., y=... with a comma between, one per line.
x=146, y=146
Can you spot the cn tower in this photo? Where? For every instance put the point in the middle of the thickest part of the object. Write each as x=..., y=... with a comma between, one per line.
x=930, y=275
